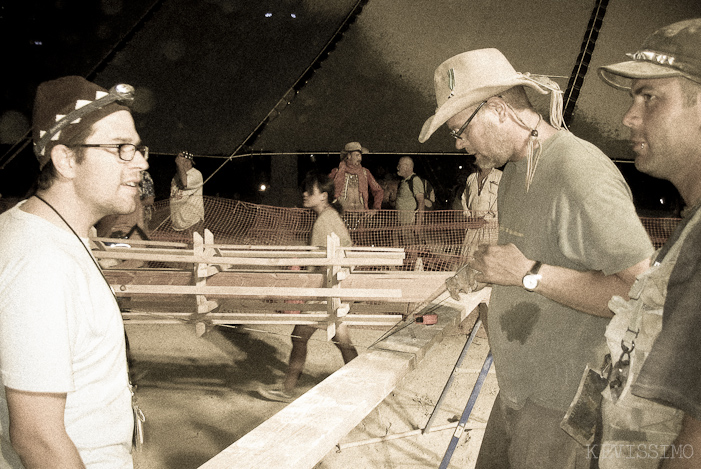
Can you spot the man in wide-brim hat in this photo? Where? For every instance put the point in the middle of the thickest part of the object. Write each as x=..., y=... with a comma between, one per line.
x=569, y=239
x=353, y=182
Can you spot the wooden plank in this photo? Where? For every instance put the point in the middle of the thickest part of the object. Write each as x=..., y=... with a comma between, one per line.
x=254, y=247
x=242, y=305
x=241, y=261
x=141, y=242
x=415, y=287
x=176, y=305
x=301, y=434
x=259, y=292
x=310, y=319
x=262, y=251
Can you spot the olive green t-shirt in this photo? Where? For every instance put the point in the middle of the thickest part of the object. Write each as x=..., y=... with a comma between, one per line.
x=578, y=214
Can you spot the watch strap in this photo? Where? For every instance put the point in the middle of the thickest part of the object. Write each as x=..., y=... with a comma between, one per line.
x=536, y=267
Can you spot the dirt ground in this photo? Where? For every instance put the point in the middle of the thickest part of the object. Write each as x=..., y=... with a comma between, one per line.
x=199, y=395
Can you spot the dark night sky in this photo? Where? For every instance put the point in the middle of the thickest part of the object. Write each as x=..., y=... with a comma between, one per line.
x=207, y=73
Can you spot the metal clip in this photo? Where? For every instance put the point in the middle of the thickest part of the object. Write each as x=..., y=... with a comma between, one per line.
x=619, y=373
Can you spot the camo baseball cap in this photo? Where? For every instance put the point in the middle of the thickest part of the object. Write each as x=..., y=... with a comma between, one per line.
x=671, y=51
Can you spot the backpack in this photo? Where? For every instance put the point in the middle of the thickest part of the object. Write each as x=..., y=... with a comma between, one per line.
x=429, y=192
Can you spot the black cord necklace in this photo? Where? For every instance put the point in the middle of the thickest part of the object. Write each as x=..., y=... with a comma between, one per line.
x=139, y=418
x=99, y=269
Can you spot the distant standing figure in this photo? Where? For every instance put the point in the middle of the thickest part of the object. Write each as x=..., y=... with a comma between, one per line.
x=410, y=204
x=186, y=204
x=410, y=193
x=147, y=194
x=353, y=183
x=318, y=195
x=480, y=200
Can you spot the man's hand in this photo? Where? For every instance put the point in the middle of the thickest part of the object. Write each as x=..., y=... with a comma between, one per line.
x=463, y=282
x=500, y=264
x=180, y=162
x=588, y=291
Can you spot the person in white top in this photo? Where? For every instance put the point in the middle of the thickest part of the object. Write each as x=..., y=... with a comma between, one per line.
x=479, y=200
x=186, y=203
x=65, y=399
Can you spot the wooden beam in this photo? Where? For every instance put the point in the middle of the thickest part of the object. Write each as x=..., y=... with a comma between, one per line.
x=239, y=305
x=259, y=292
x=141, y=242
x=310, y=319
x=301, y=434
x=248, y=261
x=415, y=287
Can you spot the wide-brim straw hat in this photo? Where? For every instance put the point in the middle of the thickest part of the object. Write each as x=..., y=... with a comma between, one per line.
x=472, y=77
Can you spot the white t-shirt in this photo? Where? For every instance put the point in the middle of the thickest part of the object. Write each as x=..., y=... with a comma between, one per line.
x=484, y=202
x=61, y=332
x=186, y=205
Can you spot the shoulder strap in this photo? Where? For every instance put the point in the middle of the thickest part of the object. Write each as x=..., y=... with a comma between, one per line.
x=411, y=182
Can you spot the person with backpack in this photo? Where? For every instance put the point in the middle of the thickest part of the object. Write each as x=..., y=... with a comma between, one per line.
x=410, y=203
x=410, y=193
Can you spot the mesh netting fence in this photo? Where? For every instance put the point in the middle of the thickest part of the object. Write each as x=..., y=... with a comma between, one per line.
x=438, y=240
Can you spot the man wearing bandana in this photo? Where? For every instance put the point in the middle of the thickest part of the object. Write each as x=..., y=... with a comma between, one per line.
x=65, y=399
x=354, y=183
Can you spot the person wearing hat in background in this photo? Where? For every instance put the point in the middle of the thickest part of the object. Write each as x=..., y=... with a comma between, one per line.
x=651, y=409
x=186, y=203
x=65, y=399
x=569, y=239
x=354, y=183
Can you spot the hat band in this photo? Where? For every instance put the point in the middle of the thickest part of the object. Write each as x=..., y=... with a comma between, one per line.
x=688, y=69
x=121, y=94
x=650, y=56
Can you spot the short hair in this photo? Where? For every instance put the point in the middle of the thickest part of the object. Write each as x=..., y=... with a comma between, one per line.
x=48, y=174
x=325, y=184
x=690, y=91
x=517, y=98
x=407, y=158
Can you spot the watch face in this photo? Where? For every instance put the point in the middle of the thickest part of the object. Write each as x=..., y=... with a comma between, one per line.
x=530, y=281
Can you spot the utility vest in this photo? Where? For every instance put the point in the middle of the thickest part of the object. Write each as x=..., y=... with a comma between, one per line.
x=636, y=430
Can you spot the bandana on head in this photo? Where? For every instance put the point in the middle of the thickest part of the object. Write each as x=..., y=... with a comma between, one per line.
x=66, y=106
x=188, y=156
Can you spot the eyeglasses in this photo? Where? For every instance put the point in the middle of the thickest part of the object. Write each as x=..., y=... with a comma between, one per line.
x=126, y=151
x=457, y=134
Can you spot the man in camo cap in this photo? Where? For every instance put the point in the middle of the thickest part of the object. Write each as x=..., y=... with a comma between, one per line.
x=652, y=405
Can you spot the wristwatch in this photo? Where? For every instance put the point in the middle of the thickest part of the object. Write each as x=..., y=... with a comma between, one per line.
x=532, y=277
